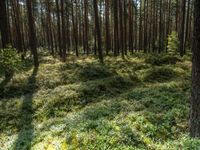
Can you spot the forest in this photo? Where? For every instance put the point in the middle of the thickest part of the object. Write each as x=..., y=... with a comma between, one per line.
x=99, y=74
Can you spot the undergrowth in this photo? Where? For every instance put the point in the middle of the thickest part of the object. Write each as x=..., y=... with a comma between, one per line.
x=140, y=102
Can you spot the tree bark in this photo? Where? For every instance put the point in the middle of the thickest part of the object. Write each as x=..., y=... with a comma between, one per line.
x=3, y=23
x=195, y=99
x=32, y=33
x=98, y=31
x=86, y=26
x=116, y=33
x=58, y=28
x=182, y=33
x=108, y=45
x=63, y=31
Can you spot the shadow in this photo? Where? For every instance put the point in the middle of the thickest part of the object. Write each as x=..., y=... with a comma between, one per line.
x=5, y=82
x=17, y=90
x=25, y=126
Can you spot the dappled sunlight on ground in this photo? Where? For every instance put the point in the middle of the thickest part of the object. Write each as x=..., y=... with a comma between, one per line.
x=130, y=103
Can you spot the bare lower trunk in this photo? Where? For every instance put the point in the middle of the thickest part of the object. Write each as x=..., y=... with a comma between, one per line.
x=195, y=99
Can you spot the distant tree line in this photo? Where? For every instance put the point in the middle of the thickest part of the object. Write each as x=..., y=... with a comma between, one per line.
x=96, y=27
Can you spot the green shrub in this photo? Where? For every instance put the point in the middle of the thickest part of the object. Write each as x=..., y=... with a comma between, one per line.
x=173, y=43
x=107, y=87
x=9, y=61
x=169, y=59
x=92, y=72
x=159, y=75
x=162, y=60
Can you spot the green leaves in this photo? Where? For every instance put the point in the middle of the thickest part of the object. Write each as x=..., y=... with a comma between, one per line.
x=9, y=60
x=173, y=43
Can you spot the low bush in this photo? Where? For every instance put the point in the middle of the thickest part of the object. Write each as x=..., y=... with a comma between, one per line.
x=159, y=75
x=9, y=61
x=162, y=60
x=93, y=72
x=173, y=43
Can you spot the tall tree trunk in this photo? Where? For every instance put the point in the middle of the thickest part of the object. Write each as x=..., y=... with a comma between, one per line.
x=140, y=27
x=121, y=27
x=187, y=25
x=63, y=31
x=15, y=4
x=3, y=23
x=160, y=29
x=98, y=30
x=116, y=33
x=182, y=33
x=145, y=25
x=195, y=99
x=154, y=27
x=108, y=44
x=130, y=7
x=49, y=27
x=177, y=15
x=86, y=26
x=75, y=34
x=32, y=33
x=125, y=28
x=136, y=26
x=59, y=28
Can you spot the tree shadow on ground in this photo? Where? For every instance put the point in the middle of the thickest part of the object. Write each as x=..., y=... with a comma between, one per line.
x=19, y=89
x=25, y=127
x=5, y=82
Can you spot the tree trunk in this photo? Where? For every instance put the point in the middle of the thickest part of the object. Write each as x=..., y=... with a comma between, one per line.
x=63, y=31
x=116, y=33
x=130, y=7
x=86, y=26
x=58, y=28
x=187, y=25
x=195, y=99
x=108, y=45
x=32, y=33
x=160, y=29
x=98, y=31
x=3, y=23
x=121, y=27
x=75, y=34
x=182, y=33
x=15, y=4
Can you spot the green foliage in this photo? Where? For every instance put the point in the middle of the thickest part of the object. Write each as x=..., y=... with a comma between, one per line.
x=159, y=74
x=92, y=72
x=9, y=61
x=173, y=43
x=159, y=60
x=123, y=105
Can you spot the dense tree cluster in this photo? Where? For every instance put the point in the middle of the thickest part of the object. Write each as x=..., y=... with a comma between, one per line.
x=95, y=27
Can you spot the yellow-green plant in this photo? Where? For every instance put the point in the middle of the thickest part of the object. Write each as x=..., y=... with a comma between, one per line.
x=9, y=61
x=173, y=43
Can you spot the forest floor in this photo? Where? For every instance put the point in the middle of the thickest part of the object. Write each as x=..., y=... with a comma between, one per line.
x=140, y=102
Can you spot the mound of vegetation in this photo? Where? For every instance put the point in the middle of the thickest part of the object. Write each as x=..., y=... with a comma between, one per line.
x=85, y=105
x=162, y=60
x=93, y=72
x=159, y=74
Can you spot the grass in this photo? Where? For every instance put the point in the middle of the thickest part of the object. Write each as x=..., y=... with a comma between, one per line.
x=125, y=104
